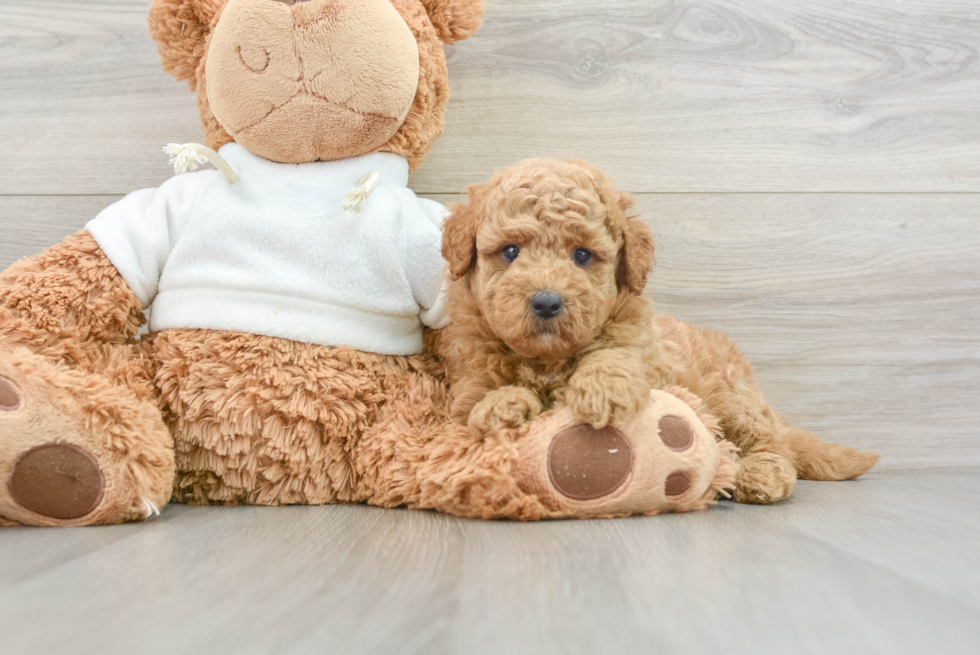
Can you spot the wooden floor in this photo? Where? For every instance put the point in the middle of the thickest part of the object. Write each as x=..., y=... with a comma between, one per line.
x=886, y=564
x=812, y=173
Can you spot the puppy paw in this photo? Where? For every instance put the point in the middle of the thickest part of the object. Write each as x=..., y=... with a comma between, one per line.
x=601, y=400
x=504, y=408
x=764, y=478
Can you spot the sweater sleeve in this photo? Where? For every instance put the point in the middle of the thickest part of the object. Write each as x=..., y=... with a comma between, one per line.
x=424, y=266
x=138, y=233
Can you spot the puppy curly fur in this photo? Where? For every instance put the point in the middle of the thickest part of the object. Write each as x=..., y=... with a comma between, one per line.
x=605, y=350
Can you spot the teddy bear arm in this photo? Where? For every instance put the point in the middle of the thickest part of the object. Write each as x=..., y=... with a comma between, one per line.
x=71, y=293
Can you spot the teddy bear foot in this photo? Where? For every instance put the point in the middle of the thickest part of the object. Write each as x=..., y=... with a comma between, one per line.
x=76, y=449
x=665, y=459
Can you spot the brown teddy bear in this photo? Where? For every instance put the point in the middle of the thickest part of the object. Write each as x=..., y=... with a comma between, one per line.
x=290, y=288
x=307, y=102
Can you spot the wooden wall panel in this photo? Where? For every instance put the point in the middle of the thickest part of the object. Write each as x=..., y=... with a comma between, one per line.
x=668, y=95
x=859, y=312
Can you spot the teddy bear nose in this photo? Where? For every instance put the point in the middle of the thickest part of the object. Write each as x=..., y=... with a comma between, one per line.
x=546, y=304
x=291, y=2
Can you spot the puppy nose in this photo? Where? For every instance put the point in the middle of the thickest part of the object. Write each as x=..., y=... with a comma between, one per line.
x=291, y=2
x=546, y=304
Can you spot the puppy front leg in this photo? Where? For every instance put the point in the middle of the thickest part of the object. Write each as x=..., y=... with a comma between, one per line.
x=503, y=408
x=608, y=386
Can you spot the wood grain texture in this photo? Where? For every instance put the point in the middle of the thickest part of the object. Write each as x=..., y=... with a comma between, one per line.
x=880, y=565
x=667, y=95
x=32, y=223
x=859, y=312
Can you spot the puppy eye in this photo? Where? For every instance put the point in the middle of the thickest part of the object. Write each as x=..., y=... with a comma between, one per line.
x=582, y=256
x=510, y=252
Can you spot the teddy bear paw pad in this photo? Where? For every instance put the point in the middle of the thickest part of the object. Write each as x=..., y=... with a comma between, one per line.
x=57, y=480
x=585, y=463
x=9, y=398
x=676, y=433
x=677, y=483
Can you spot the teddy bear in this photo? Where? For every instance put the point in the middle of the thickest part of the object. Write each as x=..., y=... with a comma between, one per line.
x=290, y=288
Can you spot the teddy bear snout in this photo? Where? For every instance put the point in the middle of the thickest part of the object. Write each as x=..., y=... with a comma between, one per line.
x=285, y=81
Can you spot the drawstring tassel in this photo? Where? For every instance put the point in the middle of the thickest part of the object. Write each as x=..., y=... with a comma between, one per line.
x=355, y=198
x=189, y=156
x=149, y=508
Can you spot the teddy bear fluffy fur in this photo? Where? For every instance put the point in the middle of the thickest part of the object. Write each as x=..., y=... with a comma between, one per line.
x=213, y=416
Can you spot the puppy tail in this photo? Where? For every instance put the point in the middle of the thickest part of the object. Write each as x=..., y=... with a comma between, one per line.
x=816, y=460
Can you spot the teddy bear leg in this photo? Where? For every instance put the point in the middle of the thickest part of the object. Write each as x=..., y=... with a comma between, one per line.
x=666, y=458
x=81, y=438
x=438, y=464
x=266, y=421
x=80, y=448
x=414, y=455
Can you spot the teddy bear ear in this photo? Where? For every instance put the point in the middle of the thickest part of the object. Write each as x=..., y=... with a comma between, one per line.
x=181, y=28
x=454, y=20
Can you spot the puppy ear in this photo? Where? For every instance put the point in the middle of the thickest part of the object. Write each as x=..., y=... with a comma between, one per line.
x=454, y=20
x=636, y=259
x=459, y=237
x=181, y=29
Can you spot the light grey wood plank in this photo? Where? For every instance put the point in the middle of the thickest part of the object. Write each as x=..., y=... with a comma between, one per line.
x=917, y=527
x=859, y=312
x=355, y=580
x=86, y=105
x=31, y=223
x=736, y=580
x=23, y=559
x=668, y=95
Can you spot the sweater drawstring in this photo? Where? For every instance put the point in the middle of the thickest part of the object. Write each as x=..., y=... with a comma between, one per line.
x=189, y=156
x=355, y=198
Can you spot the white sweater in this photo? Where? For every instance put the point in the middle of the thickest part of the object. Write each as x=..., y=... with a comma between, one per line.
x=275, y=254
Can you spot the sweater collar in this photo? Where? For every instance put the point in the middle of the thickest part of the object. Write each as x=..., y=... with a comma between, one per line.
x=342, y=173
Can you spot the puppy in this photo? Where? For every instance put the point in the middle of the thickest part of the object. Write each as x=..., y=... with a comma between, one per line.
x=548, y=268
x=548, y=304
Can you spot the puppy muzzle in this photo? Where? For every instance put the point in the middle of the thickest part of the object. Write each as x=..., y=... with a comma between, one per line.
x=546, y=304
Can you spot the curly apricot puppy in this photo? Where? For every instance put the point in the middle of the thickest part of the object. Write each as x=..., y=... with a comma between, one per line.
x=547, y=308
